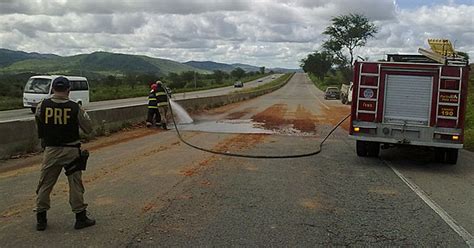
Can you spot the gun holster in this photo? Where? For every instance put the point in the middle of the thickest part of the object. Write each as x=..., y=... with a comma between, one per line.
x=78, y=164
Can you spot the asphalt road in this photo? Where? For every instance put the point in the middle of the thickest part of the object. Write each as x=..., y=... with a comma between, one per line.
x=145, y=188
x=25, y=114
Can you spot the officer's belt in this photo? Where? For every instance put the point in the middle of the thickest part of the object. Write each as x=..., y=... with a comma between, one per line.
x=64, y=145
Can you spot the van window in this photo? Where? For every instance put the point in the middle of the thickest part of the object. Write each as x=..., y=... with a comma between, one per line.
x=79, y=85
x=38, y=85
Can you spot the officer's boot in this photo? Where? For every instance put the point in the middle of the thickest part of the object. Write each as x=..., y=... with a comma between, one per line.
x=82, y=221
x=41, y=221
x=163, y=125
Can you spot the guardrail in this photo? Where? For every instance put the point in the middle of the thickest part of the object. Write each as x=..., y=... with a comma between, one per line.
x=20, y=137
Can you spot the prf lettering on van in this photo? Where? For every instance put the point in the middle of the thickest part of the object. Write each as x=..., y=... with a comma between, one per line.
x=57, y=116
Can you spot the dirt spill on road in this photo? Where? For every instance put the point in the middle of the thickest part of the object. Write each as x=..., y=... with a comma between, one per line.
x=148, y=207
x=131, y=160
x=240, y=142
x=16, y=210
x=335, y=114
x=310, y=204
x=277, y=117
x=236, y=115
x=319, y=204
x=273, y=117
x=104, y=201
x=235, y=143
x=304, y=121
x=121, y=137
x=206, y=183
x=61, y=188
x=32, y=164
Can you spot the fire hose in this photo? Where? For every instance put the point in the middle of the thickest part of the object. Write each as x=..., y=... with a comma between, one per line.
x=230, y=154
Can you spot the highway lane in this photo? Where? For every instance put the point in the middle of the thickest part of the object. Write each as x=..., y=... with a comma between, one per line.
x=147, y=189
x=25, y=114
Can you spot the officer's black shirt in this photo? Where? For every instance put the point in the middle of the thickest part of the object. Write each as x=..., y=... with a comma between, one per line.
x=58, y=122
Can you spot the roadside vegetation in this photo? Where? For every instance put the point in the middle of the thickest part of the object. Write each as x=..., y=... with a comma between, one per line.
x=276, y=82
x=469, y=122
x=131, y=85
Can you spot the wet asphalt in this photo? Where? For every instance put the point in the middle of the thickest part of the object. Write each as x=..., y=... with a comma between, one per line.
x=146, y=189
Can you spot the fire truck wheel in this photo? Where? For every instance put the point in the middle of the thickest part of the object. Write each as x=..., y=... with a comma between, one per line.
x=361, y=148
x=373, y=149
x=440, y=155
x=451, y=156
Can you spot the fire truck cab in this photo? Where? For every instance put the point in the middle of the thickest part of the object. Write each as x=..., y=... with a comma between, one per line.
x=411, y=100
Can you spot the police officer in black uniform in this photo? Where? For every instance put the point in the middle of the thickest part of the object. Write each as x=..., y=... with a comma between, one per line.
x=58, y=120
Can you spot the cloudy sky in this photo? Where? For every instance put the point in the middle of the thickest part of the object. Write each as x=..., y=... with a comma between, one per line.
x=272, y=33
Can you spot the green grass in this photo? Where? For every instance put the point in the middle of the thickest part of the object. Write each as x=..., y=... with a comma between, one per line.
x=323, y=84
x=271, y=84
x=102, y=93
x=224, y=84
x=469, y=122
x=8, y=102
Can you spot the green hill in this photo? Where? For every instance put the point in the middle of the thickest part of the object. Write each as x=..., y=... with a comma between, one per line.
x=8, y=57
x=102, y=63
x=210, y=65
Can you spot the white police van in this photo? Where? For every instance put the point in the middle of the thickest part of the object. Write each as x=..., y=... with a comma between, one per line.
x=39, y=87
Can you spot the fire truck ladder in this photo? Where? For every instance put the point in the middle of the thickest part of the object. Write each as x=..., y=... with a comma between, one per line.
x=373, y=87
x=458, y=81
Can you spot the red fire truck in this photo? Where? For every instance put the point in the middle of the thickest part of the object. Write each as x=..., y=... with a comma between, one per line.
x=411, y=100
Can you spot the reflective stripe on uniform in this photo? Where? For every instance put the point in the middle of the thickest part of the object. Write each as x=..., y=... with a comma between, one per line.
x=152, y=107
x=151, y=98
x=162, y=104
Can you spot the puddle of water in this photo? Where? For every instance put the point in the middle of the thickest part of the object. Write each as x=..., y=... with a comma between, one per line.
x=240, y=126
x=224, y=126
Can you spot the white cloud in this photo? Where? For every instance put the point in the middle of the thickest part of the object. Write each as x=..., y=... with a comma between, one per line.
x=261, y=32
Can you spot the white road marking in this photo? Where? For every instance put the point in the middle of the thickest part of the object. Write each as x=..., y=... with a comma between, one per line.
x=465, y=235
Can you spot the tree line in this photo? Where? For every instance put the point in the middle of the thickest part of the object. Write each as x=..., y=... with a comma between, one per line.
x=12, y=85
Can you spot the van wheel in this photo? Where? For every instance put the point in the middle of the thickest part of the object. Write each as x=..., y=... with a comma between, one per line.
x=344, y=100
x=361, y=148
x=80, y=103
x=33, y=110
x=451, y=156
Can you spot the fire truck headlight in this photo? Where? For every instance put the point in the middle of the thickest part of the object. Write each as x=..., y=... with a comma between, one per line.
x=356, y=129
x=455, y=137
